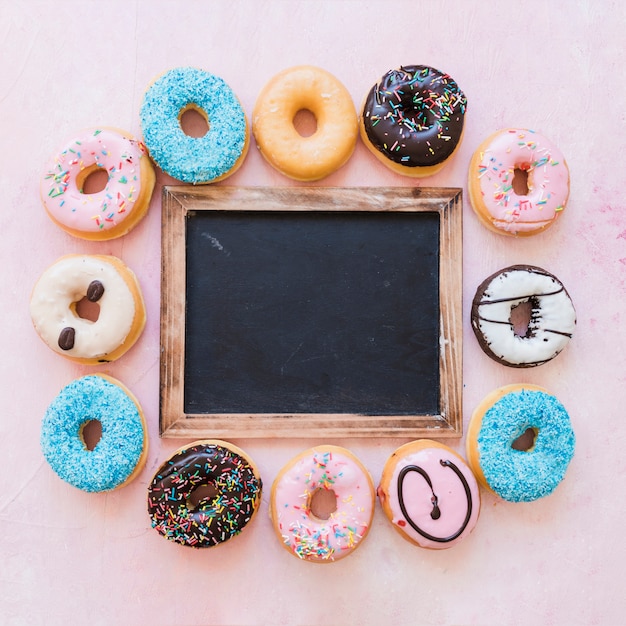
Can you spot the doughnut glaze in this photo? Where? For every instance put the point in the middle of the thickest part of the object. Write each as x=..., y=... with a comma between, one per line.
x=122, y=203
x=103, y=280
x=197, y=160
x=519, y=475
x=217, y=464
x=329, y=469
x=429, y=494
x=552, y=316
x=538, y=202
x=313, y=89
x=412, y=119
x=121, y=452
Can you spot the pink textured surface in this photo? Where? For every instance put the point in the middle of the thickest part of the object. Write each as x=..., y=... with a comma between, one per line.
x=68, y=557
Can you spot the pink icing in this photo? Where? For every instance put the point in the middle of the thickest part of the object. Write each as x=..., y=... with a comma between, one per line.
x=418, y=498
x=548, y=180
x=89, y=213
x=304, y=534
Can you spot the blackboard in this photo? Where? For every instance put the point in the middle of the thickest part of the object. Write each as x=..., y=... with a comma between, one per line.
x=311, y=311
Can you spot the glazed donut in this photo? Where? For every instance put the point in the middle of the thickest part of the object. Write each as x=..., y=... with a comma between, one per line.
x=412, y=119
x=429, y=494
x=122, y=203
x=510, y=208
x=327, y=472
x=208, y=159
x=234, y=494
x=121, y=452
x=512, y=472
x=102, y=280
x=315, y=90
x=552, y=316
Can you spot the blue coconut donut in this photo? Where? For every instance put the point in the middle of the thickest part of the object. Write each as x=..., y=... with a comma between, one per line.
x=514, y=471
x=195, y=160
x=121, y=452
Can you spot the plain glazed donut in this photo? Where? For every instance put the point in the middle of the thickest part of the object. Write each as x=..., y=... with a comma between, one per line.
x=412, y=119
x=121, y=452
x=102, y=280
x=234, y=486
x=552, y=316
x=429, y=494
x=208, y=159
x=313, y=89
x=331, y=471
x=515, y=473
x=505, y=207
x=122, y=203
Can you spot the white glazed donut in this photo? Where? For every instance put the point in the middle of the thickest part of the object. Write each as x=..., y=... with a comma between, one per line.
x=101, y=279
x=552, y=317
x=333, y=471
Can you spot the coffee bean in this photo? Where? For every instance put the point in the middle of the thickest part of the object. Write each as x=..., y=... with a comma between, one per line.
x=95, y=291
x=66, y=338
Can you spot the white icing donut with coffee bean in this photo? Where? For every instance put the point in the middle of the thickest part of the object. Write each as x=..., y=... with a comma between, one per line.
x=551, y=322
x=102, y=280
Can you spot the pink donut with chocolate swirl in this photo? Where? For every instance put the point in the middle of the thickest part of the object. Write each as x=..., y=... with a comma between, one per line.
x=429, y=494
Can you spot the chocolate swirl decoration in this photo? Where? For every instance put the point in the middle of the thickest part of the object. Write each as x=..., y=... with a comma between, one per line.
x=215, y=519
x=414, y=115
x=436, y=511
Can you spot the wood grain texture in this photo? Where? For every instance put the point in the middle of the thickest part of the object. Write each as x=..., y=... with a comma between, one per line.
x=181, y=202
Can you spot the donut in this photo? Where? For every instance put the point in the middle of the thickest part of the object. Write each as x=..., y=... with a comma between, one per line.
x=204, y=494
x=334, y=478
x=514, y=472
x=312, y=89
x=429, y=494
x=518, y=182
x=412, y=119
x=551, y=323
x=116, y=209
x=198, y=160
x=119, y=455
x=104, y=282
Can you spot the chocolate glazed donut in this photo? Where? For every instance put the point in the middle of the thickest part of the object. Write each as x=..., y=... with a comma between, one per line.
x=216, y=518
x=414, y=116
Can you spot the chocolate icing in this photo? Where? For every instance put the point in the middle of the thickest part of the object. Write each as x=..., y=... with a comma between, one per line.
x=213, y=520
x=414, y=115
x=436, y=512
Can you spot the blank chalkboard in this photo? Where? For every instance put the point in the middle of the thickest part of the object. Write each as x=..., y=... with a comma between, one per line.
x=311, y=311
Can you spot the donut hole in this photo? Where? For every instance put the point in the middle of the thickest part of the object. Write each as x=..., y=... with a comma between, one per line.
x=91, y=433
x=305, y=123
x=520, y=180
x=202, y=493
x=526, y=441
x=323, y=503
x=194, y=122
x=521, y=316
x=87, y=310
x=92, y=179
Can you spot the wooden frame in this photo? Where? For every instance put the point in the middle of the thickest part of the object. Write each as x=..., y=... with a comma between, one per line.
x=180, y=202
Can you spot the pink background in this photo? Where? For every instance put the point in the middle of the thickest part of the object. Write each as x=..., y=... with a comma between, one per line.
x=67, y=557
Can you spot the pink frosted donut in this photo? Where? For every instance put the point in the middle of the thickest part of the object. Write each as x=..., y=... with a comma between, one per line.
x=429, y=494
x=112, y=211
x=518, y=182
x=328, y=473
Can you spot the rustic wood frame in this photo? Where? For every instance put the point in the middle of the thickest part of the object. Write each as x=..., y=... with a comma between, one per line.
x=181, y=201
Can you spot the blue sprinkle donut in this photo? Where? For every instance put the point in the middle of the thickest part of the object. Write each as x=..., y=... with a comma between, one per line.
x=195, y=160
x=121, y=452
x=520, y=472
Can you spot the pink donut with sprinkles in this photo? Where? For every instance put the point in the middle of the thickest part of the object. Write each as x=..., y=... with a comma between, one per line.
x=518, y=182
x=109, y=212
x=322, y=503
